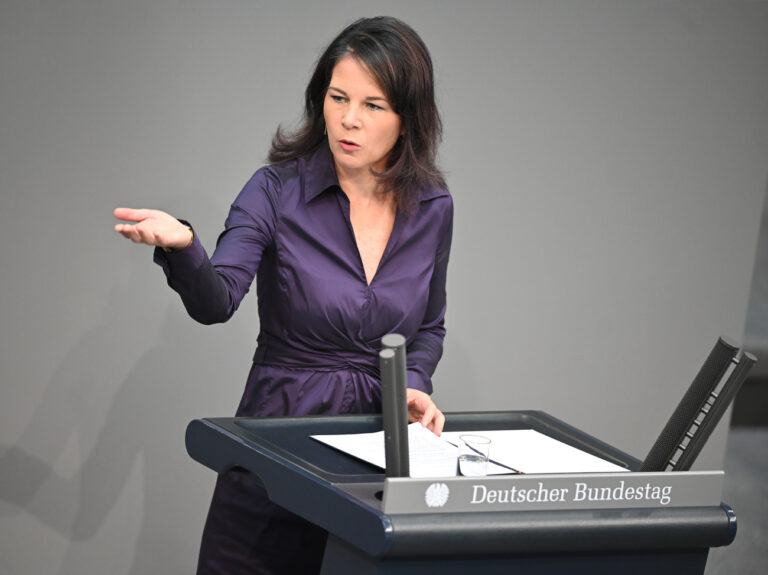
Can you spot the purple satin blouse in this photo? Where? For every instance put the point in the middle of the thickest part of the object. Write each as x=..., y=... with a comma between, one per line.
x=320, y=322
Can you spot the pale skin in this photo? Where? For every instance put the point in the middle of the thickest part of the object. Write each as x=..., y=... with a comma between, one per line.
x=362, y=129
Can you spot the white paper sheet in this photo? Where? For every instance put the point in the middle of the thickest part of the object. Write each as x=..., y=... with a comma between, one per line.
x=529, y=451
x=524, y=450
x=430, y=456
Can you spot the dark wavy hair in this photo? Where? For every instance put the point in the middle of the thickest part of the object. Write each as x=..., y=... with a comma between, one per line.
x=399, y=61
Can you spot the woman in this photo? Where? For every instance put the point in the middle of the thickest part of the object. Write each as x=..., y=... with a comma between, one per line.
x=348, y=232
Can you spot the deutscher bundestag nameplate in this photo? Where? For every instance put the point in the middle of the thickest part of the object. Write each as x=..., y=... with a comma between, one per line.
x=549, y=492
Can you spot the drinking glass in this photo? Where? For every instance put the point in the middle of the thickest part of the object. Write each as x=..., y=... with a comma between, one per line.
x=473, y=455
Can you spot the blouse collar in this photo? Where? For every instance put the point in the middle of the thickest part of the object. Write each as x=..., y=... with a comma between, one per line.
x=320, y=175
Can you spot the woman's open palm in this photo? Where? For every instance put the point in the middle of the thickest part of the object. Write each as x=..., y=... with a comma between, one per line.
x=153, y=227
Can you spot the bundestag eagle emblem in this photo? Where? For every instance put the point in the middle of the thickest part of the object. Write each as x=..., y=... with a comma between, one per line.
x=437, y=495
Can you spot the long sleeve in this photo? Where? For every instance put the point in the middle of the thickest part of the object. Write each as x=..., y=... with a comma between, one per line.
x=426, y=349
x=212, y=288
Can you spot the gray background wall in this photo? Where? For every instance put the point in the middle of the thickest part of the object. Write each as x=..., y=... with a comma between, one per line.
x=608, y=162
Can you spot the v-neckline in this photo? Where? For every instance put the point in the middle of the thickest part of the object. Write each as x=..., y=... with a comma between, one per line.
x=346, y=208
x=384, y=254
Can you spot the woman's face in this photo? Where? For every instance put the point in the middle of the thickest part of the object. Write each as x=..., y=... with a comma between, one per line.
x=362, y=126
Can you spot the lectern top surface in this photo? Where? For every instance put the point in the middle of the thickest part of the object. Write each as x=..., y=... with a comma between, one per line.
x=289, y=438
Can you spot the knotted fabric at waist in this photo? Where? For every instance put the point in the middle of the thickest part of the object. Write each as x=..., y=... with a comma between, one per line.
x=273, y=351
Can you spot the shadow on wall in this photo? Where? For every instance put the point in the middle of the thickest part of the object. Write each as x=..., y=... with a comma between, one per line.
x=117, y=442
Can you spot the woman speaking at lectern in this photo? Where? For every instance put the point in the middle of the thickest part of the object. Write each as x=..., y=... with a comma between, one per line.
x=347, y=231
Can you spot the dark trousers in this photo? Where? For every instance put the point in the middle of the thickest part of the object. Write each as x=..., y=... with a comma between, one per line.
x=246, y=534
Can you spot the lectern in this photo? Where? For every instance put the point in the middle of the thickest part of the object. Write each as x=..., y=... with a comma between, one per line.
x=344, y=496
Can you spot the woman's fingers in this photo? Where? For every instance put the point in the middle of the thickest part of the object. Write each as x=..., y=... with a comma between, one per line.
x=135, y=233
x=433, y=419
x=152, y=227
x=421, y=408
x=438, y=422
x=135, y=215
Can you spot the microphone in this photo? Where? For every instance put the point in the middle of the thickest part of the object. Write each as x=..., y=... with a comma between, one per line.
x=700, y=409
x=394, y=405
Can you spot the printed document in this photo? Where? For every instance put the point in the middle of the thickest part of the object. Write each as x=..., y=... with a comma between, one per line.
x=512, y=451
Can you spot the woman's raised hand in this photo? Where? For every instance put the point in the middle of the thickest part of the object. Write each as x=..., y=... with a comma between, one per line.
x=154, y=228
